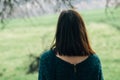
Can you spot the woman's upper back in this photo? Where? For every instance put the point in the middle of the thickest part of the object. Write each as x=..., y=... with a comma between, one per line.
x=72, y=59
x=54, y=68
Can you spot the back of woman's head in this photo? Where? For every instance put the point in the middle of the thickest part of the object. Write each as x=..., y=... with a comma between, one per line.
x=71, y=37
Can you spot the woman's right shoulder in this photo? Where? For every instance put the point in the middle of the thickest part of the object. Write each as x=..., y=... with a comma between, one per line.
x=95, y=60
x=95, y=57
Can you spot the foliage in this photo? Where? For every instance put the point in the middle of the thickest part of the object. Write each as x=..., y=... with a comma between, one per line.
x=7, y=7
x=21, y=38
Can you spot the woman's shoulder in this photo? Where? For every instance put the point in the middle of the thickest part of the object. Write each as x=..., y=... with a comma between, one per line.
x=46, y=55
x=94, y=60
x=95, y=57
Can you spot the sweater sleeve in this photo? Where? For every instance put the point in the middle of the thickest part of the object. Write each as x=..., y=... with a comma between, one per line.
x=98, y=68
x=100, y=73
x=41, y=75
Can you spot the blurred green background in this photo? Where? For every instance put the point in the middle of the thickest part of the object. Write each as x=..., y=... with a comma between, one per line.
x=22, y=37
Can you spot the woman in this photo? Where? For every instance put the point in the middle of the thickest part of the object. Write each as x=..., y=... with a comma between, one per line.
x=71, y=56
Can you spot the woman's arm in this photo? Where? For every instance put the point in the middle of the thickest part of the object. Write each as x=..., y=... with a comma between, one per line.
x=100, y=73
x=41, y=75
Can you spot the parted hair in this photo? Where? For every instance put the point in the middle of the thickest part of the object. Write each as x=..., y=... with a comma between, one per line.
x=71, y=37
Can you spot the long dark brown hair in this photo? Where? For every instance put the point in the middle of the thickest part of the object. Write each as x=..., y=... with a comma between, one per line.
x=71, y=36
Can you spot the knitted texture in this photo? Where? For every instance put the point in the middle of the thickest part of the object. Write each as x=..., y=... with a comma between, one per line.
x=54, y=68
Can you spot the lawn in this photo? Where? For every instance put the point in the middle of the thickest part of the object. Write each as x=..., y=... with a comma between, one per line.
x=22, y=37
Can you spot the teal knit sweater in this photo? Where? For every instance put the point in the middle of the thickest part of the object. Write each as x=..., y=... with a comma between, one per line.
x=54, y=68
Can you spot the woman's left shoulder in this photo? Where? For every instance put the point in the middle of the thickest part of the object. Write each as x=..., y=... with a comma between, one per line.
x=46, y=55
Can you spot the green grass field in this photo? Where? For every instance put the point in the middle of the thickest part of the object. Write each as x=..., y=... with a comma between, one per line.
x=23, y=37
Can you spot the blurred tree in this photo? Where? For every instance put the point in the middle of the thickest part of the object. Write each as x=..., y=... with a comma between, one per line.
x=27, y=8
x=111, y=5
x=7, y=8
